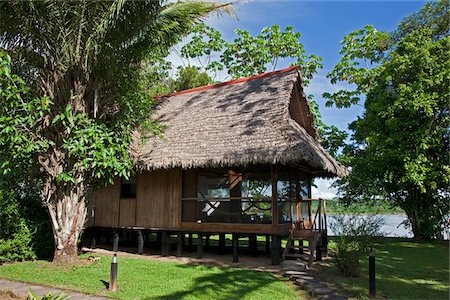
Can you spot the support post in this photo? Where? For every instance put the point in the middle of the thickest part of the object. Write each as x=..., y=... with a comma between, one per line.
x=207, y=236
x=235, y=247
x=267, y=244
x=372, y=288
x=253, y=244
x=275, y=250
x=94, y=238
x=165, y=251
x=222, y=243
x=318, y=252
x=158, y=239
x=300, y=246
x=179, y=243
x=190, y=242
x=140, y=242
x=115, y=241
x=274, y=171
x=199, y=245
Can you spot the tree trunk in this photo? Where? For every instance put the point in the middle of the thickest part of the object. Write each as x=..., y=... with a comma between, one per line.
x=68, y=213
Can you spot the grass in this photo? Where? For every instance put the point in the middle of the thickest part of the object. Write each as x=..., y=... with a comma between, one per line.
x=404, y=270
x=149, y=279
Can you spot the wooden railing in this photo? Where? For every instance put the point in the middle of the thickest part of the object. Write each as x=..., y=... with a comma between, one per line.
x=234, y=210
x=316, y=220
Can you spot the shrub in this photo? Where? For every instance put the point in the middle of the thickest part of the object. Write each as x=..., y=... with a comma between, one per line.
x=18, y=247
x=354, y=237
x=25, y=231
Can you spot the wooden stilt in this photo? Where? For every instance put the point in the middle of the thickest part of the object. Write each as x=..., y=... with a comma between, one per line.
x=300, y=246
x=267, y=244
x=165, y=250
x=253, y=243
x=94, y=238
x=179, y=243
x=199, y=245
x=140, y=242
x=275, y=250
x=158, y=239
x=116, y=241
x=235, y=247
x=190, y=242
x=222, y=243
x=207, y=241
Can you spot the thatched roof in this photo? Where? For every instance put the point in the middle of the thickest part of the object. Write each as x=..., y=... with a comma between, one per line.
x=262, y=119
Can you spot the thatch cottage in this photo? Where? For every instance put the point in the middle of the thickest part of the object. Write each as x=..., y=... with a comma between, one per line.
x=236, y=157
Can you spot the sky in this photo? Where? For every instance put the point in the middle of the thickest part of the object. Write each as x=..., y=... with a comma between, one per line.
x=323, y=24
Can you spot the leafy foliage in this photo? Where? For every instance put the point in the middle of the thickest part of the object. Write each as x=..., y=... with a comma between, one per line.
x=249, y=55
x=50, y=296
x=68, y=114
x=354, y=237
x=190, y=77
x=399, y=148
x=15, y=235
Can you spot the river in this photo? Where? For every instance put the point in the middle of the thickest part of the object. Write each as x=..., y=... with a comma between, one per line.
x=392, y=226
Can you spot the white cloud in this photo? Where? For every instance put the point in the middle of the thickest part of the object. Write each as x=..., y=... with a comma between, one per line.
x=323, y=189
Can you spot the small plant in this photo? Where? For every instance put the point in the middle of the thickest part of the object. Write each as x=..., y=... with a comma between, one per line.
x=50, y=296
x=355, y=235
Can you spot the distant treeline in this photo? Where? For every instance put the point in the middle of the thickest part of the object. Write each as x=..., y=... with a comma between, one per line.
x=380, y=207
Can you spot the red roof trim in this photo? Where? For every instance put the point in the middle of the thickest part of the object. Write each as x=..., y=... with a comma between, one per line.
x=213, y=86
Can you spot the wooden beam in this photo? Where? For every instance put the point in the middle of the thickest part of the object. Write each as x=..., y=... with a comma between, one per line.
x=274, y=177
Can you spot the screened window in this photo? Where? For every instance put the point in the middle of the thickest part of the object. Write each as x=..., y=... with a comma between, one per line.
x=128, y=187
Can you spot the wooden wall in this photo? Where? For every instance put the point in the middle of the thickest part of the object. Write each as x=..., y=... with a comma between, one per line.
x=105, y=208
x=159, y=199
x=157, y=203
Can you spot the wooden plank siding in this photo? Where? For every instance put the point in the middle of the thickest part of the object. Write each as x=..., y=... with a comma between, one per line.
x=159, y=199
x=106, y=207
x=157, y=203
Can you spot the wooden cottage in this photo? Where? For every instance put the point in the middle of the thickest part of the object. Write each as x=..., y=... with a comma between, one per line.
x=236, y=157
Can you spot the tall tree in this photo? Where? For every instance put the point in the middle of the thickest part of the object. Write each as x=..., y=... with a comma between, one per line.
x=249, y=55
x=71, y=115
x=399, y=148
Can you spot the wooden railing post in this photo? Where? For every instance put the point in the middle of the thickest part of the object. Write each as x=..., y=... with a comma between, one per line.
x=274, y=172
x=320, y=214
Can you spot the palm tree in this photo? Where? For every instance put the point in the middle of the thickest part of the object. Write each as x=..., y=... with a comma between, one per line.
x=86, y=56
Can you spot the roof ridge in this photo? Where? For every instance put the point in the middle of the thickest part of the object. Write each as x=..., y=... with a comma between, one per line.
x=231, y=82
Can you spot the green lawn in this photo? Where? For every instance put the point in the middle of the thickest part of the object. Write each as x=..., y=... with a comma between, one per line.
x=404, y=270
x=148, y=279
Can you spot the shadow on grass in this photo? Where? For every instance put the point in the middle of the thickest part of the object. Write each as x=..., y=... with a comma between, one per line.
x=405, y=269
x=228, y=284
x=105, y=283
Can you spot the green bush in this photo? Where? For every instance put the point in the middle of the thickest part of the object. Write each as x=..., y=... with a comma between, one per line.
x=18, y=247
x=355, y=235
x=25, y=232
